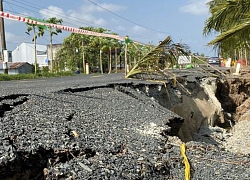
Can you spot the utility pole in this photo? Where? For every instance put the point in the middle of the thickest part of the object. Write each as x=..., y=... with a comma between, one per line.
x=3, y=42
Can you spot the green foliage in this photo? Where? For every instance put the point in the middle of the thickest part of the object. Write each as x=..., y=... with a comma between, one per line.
x=199, y=60
x=231, y=19
x=7, y=77
x=54, y=20
x=45, y=69
x=71, y=53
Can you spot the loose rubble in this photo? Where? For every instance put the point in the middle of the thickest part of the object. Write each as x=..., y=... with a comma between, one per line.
x=116, y=131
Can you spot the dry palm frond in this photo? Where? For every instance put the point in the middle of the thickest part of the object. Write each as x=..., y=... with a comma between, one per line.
x=156, y=62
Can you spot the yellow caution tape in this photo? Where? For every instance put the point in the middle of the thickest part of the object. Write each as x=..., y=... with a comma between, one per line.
x=185, y=160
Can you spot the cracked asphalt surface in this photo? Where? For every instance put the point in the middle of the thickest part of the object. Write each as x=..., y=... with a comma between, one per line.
x=98, y=127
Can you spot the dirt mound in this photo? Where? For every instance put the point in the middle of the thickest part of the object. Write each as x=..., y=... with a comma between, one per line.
x=239, y=86
x=243, y=111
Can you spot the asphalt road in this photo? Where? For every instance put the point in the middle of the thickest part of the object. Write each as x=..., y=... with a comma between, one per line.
x=101, y=133
x=46, y=85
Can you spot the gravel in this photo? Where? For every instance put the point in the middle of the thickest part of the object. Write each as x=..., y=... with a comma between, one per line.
x=238, y=140
x=101, y=131
x=104, y=132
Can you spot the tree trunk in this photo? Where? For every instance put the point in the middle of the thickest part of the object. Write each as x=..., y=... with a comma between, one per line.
x=126, y=60
x=51, y=50
x=110, y=60
x=101, y=61
x=116, y=60
x=34, y=29
x=3, y=41
x=83, y=59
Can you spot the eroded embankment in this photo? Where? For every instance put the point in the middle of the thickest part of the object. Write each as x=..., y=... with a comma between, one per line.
x=211, y=101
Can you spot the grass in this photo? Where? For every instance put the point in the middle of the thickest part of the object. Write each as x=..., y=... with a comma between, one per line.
x=9, y=77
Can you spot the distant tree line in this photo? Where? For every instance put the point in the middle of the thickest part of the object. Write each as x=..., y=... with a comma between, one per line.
x=103, y=55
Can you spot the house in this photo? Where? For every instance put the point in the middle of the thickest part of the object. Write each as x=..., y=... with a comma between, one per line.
x=17, y=68
x=25, y=53
x=53, y=51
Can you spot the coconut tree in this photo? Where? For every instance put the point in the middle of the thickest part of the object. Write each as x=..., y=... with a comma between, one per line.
x=38, y=30
x=231, y=19
x=101, y=43
x=118, y=48
x=112, y=44
x=52, y=32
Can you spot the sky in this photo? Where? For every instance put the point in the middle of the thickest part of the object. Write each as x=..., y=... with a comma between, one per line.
x=145, y=21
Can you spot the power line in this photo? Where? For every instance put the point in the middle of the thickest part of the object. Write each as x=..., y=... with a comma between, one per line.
x=54, y=13
x=32, y=7
x=125, y=18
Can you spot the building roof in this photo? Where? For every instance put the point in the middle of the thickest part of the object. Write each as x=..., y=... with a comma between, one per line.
x=39, y=47
x=17, y=65
x=13, y=65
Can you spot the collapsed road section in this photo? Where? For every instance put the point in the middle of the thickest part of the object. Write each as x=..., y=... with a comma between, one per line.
x=116, y=131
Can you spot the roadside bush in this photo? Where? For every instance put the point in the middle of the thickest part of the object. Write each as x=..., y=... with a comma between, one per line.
x=8, y=77
x=5, y=77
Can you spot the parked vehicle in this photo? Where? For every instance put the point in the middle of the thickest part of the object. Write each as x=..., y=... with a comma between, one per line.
x=214, y=61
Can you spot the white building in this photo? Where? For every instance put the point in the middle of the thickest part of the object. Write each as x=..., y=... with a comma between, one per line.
x=25, y=53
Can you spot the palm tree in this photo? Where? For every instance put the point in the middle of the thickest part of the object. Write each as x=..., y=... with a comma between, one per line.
x=118, y=48
x=38, y=30
x=104, y=47
x=231, y=19
x=94, y=49
x=112, y=44
x=53, y=31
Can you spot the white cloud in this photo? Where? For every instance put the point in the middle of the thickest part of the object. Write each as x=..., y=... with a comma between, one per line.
x=92, y=7
x=121, y=28
x=13, y=38
x=52, y=11
x=138, y=29
x=196, y=7
x=83, y=16
x=110, y=7
x=10, y=36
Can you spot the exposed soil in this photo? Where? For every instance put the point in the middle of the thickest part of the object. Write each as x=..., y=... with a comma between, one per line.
x=239, y=93
x=213, y=107
x=220, y=113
